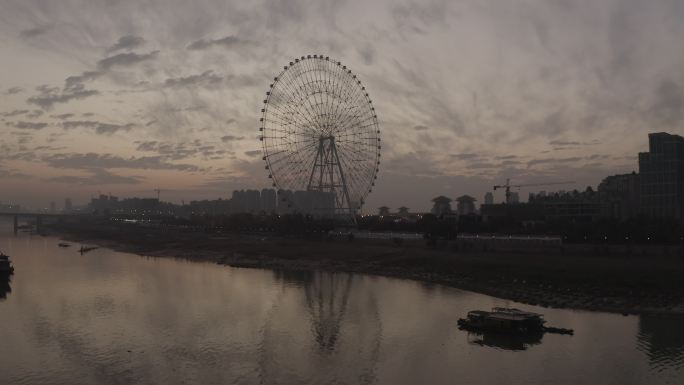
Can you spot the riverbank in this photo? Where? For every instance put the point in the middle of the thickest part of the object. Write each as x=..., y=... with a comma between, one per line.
x=630, y=284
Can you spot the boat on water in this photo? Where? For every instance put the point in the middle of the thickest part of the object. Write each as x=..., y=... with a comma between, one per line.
x=5, y=264
x=85, y=249
x=63, y=244
x=507, y=321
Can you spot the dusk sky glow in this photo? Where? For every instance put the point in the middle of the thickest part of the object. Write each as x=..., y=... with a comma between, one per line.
x=123, y=97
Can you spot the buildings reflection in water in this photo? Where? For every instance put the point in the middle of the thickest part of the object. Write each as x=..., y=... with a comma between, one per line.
x=506, y=341
x=5, y=287
x=662, y=339
x=341, y=341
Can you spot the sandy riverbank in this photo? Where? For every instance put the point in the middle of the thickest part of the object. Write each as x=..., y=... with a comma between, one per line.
x=623, y=284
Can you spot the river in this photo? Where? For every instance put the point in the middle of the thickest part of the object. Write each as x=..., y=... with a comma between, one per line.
x=107, y=317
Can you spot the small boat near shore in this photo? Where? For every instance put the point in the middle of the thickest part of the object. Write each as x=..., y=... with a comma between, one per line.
x=63, y=244
x=507, y=321
x=85, y=249
x=6, y=267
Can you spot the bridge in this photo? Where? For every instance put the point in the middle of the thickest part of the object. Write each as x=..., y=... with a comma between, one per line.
x=37, y=216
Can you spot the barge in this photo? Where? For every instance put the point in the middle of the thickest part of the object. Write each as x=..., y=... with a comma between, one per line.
x=6, y=267
x=507, y=321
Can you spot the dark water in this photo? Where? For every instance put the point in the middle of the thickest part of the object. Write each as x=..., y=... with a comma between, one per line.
x=115, y=318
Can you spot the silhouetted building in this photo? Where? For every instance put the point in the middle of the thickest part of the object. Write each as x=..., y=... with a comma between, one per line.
x=68, y=207
x=441, y=206
x=403, y=211
x=620, y=195
x=573, y=206
x=465, y=205
x=246, y=201
x=514, y=197
x=285, y=202
x=489, y=198
x=268, y=200
x=9, y=208
x=103, y=203
x=309, y=202
x=209, y=207
x=662, y=176
x=53, y=207
x=383, y=210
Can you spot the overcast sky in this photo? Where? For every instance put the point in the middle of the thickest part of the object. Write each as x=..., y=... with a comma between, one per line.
x=126, y=96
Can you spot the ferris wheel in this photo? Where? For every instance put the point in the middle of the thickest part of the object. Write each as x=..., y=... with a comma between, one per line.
x=320, y=137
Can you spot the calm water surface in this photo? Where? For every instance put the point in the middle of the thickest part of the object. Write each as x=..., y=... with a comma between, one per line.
x=115, y=318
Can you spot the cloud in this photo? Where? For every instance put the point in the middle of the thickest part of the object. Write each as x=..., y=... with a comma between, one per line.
x=253, y=153
x=49, y=96
x=421, y=128
x=107, y=161
x=225, y=42
x=178, y=151
x=562, y=143
x=62, y=116
x=465, y=156
x=34, y=114
x=76, y=81
x=668, y=107
x=482, y=165
x=230, y=138
x=418, y=17
x=14, y=90
x=33, y=32
x=367, y=54
x=552, y=160
x=127, y=42
x=99, y=127
x=207, y=78
x=13, y=113
x=29, y=125
x=572, y=143
x=125, y=59
x=5, y=174
x=97, y=177
x=147, y=146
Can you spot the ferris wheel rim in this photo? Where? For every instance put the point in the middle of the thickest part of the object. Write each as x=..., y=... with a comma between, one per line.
x=363, y=170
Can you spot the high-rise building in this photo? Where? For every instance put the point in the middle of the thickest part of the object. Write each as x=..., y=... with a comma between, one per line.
x=489, y=198
x=441, y=206
x=285, y=202
x=514, y=197
x=465, y=205
x=67, y=205
x=661, y=172
x=268, y=200
x=53, y=207
x=253, y=200
x=620, y=195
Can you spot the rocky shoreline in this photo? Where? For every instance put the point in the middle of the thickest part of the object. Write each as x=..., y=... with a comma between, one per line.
x=627, y=285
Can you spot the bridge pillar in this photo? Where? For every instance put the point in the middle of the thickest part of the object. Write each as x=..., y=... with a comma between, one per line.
x=16, y=224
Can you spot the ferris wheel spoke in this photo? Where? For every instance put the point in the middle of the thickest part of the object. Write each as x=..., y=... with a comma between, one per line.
x=295, y=101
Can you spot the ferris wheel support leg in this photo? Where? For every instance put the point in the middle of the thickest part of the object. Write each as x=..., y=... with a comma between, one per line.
x=319, y=157
x=345, y=191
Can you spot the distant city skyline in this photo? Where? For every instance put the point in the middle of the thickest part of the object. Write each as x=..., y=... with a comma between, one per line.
x=468, y=94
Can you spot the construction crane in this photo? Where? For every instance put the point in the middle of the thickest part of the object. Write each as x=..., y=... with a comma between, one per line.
x=508, y=186
x=158, y=191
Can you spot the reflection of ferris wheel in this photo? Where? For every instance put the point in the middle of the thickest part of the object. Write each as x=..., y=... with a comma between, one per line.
x=320, y=134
